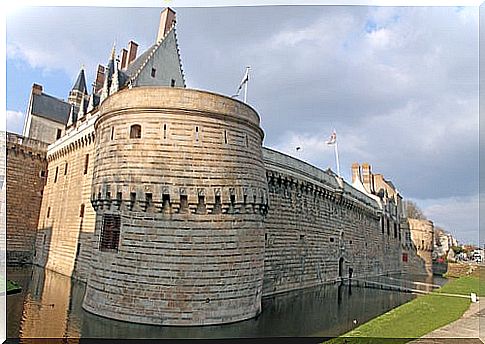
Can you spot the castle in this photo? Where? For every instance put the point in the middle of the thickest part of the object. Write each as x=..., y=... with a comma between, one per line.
x=163, y=200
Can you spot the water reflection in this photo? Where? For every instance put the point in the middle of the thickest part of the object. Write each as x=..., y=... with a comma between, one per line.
x=50, y=306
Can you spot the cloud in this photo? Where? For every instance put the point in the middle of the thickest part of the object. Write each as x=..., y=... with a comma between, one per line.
x=15, y=121
x=458, y=215
x=399, y=84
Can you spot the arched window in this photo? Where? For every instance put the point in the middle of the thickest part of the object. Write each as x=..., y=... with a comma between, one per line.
x=135, y=131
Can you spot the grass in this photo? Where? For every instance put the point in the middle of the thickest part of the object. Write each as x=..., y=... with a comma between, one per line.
x=417, y=317
x=13, y=287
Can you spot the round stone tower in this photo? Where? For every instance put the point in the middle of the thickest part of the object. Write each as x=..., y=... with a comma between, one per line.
x=180, y=193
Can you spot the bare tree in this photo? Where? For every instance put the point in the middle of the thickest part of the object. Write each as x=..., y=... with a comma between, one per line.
x=413, y=211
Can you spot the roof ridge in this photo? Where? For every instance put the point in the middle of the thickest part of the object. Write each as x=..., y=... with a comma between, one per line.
x=179, y=56
x=157, y=45
x=53, y=97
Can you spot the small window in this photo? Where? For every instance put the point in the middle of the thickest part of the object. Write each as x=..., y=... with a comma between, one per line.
x=172, y=83
x=112, y=133
x=225, y=136
x=42, y=174
x=388, y=228
x=302, y=237
x=154, y=72
x=55, y=176
x=184, y=204
x=164, y=131
x=196, y=134
x=86, y=164
x=65, y=169
x=59, y=133
x=110, y=233
x=81, y=211
x=332, y=239
x=135, y=131
x=48, y=212
x=247, y=141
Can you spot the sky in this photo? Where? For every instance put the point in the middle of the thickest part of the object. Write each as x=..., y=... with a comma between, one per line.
x=398, y=84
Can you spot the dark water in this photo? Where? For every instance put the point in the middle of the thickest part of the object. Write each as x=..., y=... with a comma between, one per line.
x=50, y=306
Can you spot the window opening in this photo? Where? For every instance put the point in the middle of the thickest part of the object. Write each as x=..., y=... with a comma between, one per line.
x=135, y=131
x=110, y=233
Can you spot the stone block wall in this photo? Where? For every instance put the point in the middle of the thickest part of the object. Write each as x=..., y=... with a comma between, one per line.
x=26, y=171
x=318, y=227
x=183, y=170
x=66, y=221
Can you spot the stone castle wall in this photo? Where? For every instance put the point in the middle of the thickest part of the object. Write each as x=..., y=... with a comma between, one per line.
x=318, y=227
x=26, y=171
x=190, y=192
x=66, y=221
x=209, y=220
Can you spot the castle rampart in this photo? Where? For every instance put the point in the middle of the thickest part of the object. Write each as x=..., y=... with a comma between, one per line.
x=319, y=228
x=181, y=173
x=66, y=221
x=26, y=175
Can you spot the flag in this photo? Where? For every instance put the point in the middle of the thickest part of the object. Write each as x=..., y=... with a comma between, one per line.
x=244, y=80
x=333, y=139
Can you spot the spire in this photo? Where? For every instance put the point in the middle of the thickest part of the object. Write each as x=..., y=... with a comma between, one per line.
x=72, y=117
x=80, y=84
x=115, y=83
x=81, y=111
x=91, y=99
x=108, y=72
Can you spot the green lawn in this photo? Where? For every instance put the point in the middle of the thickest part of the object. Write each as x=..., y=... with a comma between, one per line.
x=417, y=317
x=12, y=287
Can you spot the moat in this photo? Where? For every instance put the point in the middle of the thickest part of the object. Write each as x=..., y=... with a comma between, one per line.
x=50, y=306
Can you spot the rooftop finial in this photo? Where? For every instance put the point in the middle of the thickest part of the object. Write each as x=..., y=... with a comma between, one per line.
x=113, y=51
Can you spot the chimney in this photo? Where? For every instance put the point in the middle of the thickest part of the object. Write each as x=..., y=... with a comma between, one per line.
x=132, y=48
x=98, y=84
x=356, y=172
x=367, y=177
x=37, y=89
x=167, y=20
x=124, y=58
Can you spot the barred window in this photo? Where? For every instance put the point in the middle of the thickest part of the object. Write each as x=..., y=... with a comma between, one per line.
x=110, y=233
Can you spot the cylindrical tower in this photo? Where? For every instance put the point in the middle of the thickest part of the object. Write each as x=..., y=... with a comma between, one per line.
x=180, y=193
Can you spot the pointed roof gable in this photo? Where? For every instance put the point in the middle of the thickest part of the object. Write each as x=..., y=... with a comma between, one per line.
x=80, y=84
x=158, y=65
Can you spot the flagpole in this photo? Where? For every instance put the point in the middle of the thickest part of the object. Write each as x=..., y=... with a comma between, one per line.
x=246, y=85
x=336, y=158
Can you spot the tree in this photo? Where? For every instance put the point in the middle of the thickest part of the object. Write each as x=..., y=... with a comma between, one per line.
x=413, y=211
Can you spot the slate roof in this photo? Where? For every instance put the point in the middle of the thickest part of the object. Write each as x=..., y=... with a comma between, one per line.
x=80, y=84
x=138, y=62
x=49, y=107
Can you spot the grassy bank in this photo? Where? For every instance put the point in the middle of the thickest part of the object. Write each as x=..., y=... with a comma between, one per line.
x=417, y=317
x=13, y=287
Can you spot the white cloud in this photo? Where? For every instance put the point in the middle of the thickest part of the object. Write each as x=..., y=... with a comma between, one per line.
x=458, y=215
x=15, y=121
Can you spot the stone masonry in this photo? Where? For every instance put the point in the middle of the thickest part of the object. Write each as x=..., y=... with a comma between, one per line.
x=26, y=175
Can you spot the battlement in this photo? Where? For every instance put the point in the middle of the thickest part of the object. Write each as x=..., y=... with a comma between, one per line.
x=25, y=144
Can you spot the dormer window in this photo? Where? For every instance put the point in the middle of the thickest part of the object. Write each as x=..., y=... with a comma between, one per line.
x=172, y=83
x=154, y=72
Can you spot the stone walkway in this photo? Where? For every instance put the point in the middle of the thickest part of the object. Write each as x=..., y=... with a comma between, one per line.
x=463, y=330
